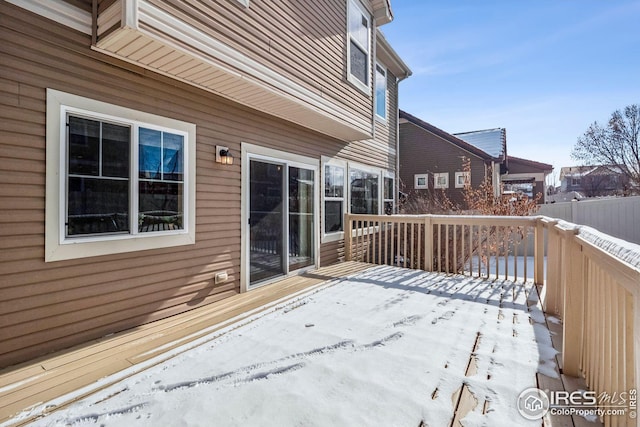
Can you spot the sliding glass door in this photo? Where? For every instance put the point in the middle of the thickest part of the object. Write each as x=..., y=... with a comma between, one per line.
x=281, y=219
x=301, y=224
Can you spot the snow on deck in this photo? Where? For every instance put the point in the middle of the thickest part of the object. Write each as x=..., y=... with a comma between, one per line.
x=387, y=347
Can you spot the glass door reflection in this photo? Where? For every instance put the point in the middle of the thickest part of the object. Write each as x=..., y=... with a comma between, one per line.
x=301, y=225
x=266, y=221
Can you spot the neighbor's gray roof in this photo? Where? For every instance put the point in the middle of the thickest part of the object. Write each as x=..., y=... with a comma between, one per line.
x=491, y=141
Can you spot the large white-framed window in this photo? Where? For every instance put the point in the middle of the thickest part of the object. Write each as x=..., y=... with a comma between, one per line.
x=441, y=180
x=364, y=190
x=358, y=45
x=421, y=181
x=381, y=93
x=462, y=179
x=355, y=188
x=118, y=180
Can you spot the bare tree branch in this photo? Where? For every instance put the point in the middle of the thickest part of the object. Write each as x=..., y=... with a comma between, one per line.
x=616, y=144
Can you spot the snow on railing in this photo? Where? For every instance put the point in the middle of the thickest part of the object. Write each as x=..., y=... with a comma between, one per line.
x=591, y=280
x=593, y=284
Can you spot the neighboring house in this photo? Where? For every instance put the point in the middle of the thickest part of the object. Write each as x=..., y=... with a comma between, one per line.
x=527, y=177
x=594, y=181
x=494, y=143
x=431, y=160
x=159, y=156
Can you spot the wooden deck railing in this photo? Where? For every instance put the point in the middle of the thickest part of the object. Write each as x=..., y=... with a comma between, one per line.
x=593, y=290
x=480, y=245
x=597, y=296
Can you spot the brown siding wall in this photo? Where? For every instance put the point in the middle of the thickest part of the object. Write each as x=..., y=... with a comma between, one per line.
x=378, y=152
x=518, y=167
x=48, y=306
x=423, y=152
x=82, y=4
x=331, y=253
x=304, y=40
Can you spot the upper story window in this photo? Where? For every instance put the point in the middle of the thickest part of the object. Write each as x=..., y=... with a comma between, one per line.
x=116, y=174
x=358, y=45
x=381, y=92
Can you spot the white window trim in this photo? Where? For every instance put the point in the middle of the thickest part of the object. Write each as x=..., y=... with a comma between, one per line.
x=437, y=175
x=346, y=206
x=366, y=88
x=380, y=118
x=437, y=186
x=57, y=245
x=252, y=151
x=336, y=235
x=389, y=174
x=245, y=3
x=368, y=169
x=459, y=174
x=426, y=181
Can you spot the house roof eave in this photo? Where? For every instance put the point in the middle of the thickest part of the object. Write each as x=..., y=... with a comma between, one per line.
x=447, y=137
x=390, y=58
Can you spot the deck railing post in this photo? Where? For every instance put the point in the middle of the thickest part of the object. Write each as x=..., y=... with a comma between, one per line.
x=538, y=254
x=574, y=304
x=428, y=243
x=552, y=284
x=347, y=236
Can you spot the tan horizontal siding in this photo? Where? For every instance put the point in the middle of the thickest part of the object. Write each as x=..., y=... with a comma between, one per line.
x=331, y=253
x=83, y=4
x=379, y=151
x=48, y=306
x=302, y=40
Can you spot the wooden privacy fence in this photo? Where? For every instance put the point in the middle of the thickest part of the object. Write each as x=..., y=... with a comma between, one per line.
x=593, y=290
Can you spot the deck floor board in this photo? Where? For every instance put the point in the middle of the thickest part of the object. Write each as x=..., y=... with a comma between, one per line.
x=76, y=371
x=54, y=375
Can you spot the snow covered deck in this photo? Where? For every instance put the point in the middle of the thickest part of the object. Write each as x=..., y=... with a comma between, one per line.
x=379, y=346
x=450, y=342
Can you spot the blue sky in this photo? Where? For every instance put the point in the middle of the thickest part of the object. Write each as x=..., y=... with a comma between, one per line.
x=542, y=69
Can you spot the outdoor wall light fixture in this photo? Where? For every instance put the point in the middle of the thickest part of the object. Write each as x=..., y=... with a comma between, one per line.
x=223, y=155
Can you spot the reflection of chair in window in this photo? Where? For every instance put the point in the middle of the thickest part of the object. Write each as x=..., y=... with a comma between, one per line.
x=159, y=221
x=97, y=223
